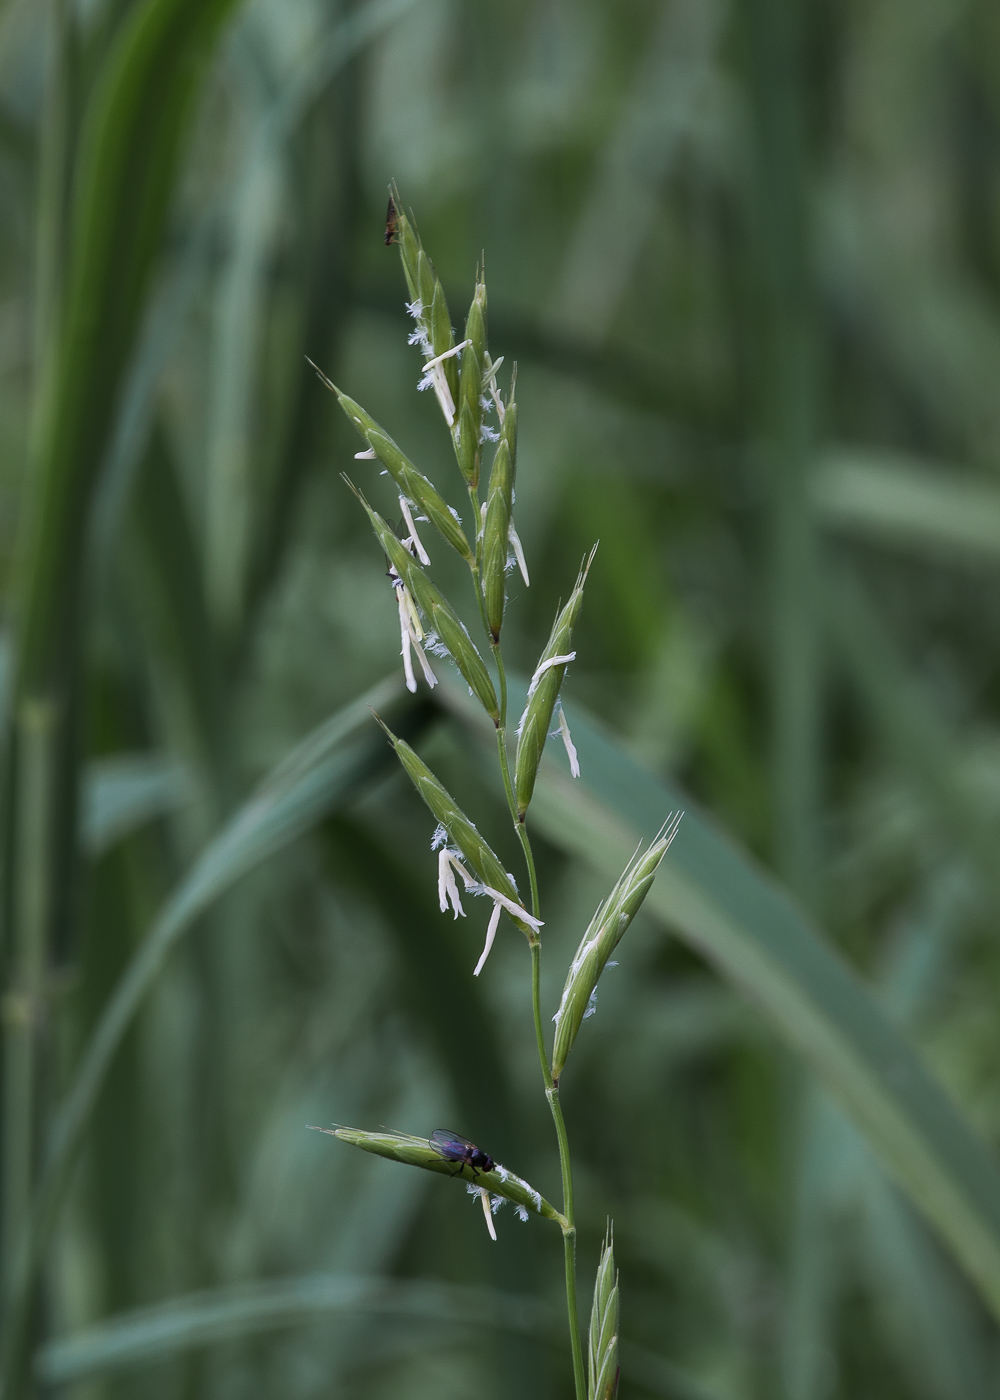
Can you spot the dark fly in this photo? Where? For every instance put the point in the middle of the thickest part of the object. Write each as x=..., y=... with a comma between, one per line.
x=390, y=223
x=455, y=1148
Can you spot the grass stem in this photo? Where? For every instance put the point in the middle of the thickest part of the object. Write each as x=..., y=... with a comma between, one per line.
x=569, y=1229
x=551, y=1088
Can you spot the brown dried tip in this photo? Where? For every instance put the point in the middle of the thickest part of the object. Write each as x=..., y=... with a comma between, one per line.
x=390, y=223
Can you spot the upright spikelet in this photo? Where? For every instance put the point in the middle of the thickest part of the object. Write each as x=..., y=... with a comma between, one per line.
x=602, y=1351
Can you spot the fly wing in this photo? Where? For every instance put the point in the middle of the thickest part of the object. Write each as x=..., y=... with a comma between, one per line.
x=452, y=1146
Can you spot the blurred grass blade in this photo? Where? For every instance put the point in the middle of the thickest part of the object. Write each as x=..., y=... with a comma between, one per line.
x=901, y=712
x=161, y=329
x=938, y=1341
x=202, y=1319
x=625, y=199
x=663, y=1377
x=240, y=309
x=130, y=147
x=331, y=763
x=123, y=792
x=895, y=500
x=130, y=144
x=716, y=898
x=166, y=564
x=326, y=768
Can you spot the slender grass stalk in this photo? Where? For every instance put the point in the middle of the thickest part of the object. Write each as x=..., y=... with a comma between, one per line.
x=35, y=719
x=427, y=619
x=551, y=1089
x=23, y=1008
x=566, y=1168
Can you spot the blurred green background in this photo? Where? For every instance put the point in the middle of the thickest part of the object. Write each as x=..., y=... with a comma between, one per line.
x=747, y=260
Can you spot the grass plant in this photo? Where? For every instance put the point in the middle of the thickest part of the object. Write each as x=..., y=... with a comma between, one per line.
x=745, y=257
x=429, y=624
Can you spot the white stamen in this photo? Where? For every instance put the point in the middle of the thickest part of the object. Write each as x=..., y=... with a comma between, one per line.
x=444, y=870
x=491, y=934
x=562, y=660
x=446, y=355
x=448, y=886
x=416, y=626
x=404, y=506
x=484, y=1196
x=404, y=630
x=571, y=754
x=513, y=908
x=429, y=675
x=438, y=380
x=468, y=880
x=519, y=553
x=368, y=456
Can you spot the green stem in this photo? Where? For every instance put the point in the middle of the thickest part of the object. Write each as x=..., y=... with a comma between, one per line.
x=569, y=1229
x=508, y=786
x=551, y=1088
x=522, y=832
x=24, y=1002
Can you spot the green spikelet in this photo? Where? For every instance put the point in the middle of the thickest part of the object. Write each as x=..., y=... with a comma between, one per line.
x=602, y=1358
x=543, y=693
x=603, y=935
x=421, y=1152
x=440, y=615
x=495, y=536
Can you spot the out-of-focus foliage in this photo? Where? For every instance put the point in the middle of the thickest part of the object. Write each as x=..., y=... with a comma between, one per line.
x=747, y=258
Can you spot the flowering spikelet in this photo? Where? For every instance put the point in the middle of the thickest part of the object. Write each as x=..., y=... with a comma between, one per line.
x=467, y=432
x=496, y=534
x=439, y=613
x=421, y=1152
x=602, y=937
x=411, y=634
x=544, y=691
x=429, y=308
x=412, y=484
x=478, y=856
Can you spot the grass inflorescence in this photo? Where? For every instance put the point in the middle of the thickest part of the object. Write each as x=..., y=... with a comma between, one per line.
x=463, y=377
